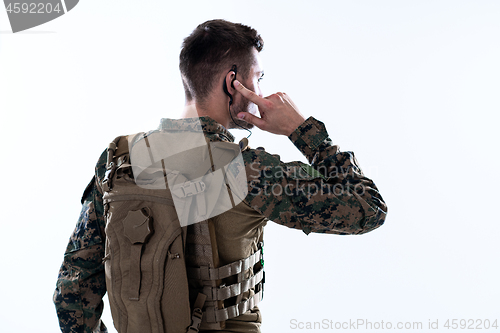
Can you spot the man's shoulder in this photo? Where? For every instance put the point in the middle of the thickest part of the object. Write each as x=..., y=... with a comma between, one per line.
x=260, y=158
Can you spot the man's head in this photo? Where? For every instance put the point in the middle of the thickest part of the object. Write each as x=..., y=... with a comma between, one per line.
x=209, y=53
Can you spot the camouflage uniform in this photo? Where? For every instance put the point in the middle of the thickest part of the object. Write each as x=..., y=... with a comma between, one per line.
x=331, y=195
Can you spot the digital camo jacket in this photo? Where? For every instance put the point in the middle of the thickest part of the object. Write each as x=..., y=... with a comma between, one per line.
x=329, y=195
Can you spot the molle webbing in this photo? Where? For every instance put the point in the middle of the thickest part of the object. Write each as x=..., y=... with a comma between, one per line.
x=237, y=267
x=199, y=248
x=214, y=314
x=235, y=289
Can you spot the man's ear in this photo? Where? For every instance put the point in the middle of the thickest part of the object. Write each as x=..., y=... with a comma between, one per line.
x=228, y=83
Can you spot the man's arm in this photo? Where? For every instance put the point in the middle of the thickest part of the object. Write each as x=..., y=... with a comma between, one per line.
x=81, y=280
x=331, y=195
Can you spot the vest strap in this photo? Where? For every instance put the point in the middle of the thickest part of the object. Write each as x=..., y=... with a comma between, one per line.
x=205, y=273
x=197, y=315
x=110, y=166
x=212, y=315
x=235, y=289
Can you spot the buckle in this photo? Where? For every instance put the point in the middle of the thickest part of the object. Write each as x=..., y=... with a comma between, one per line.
x=198, y=313
x=188, y=189
x=196, y=318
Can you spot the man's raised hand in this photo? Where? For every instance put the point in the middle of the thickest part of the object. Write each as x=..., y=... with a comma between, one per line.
x=278, y=113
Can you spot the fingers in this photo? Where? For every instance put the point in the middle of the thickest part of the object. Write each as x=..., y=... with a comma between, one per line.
x=251, y=119
x=278, y=114
x=250, y=95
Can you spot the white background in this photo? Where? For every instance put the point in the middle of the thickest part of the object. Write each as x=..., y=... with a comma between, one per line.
x=412, y=87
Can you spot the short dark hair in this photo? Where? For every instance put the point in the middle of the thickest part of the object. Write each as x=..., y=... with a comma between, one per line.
x=212, y=47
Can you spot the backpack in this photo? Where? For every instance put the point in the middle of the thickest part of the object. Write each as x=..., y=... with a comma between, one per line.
x=161, y=259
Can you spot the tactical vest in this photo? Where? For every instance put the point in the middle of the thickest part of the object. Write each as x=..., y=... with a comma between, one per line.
x=162, y=273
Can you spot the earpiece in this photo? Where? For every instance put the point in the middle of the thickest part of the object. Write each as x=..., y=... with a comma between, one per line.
x=224, y=85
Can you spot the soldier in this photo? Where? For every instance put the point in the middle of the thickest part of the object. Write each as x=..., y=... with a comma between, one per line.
x=221, y=71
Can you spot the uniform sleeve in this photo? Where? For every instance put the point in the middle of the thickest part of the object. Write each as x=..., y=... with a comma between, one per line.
x=329, y=195
x=81, y=281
